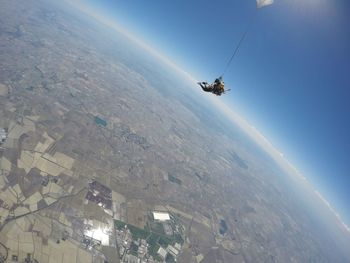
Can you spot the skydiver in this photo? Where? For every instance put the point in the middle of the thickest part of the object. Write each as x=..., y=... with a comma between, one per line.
x=217, y=87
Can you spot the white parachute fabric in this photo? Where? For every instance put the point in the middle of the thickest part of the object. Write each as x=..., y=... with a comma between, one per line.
x=262, y=3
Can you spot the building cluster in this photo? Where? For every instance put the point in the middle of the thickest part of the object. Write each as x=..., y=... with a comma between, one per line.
x=100, y=194
x=169, y=224
x=133, y=250
x=96, y=233
x=165, y=219
x=169, y=228
x=124, y=240
x=90, y=242
x=170, y=250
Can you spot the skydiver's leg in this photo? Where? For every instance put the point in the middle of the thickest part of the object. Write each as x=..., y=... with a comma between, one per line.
x=201, y=84
x=205, y=86
x=207, y=89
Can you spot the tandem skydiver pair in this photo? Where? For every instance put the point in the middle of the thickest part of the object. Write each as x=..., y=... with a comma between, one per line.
x=218, y=86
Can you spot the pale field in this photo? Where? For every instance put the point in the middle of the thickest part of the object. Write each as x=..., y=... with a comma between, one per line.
x=196, y=217
x=8, y=196
x=62, y=219
x=16, y=130
x=21, y=211
x=5, y=164
x=46, y=163
x=3, y=89
x=20, y=241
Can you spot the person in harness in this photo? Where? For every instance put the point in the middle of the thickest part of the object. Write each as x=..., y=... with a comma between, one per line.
x=217, y=87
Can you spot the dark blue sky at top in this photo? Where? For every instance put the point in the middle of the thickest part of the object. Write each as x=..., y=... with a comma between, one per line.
x=290, y=79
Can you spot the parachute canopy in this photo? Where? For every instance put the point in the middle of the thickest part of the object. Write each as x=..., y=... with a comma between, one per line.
x=262, y=3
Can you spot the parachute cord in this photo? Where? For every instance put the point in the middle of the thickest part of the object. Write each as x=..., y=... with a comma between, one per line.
x=240, y=42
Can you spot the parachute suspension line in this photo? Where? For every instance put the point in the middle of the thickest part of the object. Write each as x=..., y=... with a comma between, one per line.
x=240, y=42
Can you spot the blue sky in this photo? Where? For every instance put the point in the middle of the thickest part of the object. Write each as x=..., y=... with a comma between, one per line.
x=290, y=79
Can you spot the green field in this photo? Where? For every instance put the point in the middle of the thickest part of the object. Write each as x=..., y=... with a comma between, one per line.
x=119, y=224
x=165, y=241
x=135, y=231
x=153, y=243
x=157, y=228
x=178, y=239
